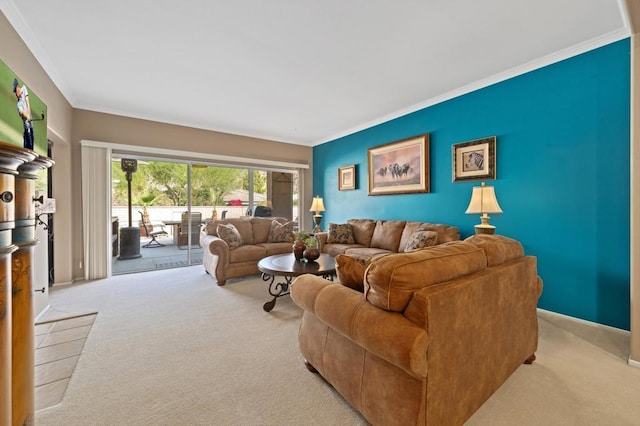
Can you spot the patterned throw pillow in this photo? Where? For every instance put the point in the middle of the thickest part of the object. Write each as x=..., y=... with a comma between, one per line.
x=340, y=234
x=420, y=240
x=281, y=232
x=230, y=235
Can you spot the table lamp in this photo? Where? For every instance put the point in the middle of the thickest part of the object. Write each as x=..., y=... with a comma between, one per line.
x=317, y=206
x=483, y=201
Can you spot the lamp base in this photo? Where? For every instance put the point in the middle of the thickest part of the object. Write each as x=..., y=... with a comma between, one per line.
x=317, y=219
x=485, y=229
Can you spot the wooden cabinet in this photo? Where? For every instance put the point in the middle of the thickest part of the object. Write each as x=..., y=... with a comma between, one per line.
x=18, y=172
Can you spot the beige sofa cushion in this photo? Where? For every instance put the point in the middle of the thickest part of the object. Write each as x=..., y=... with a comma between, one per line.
x=387, y=234
x=391, y=280
x=243, y=225
x=281, y=232
x=248, y=253
x=499, y=249
x=366, y=252
x=340, y=233
x=230, y=235
x=261, y=226
x=362, y=230
x=409, y=229
x=350, y=271
x=420, y=240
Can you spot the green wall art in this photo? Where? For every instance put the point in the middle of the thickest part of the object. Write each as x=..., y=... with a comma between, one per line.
x=23, y=116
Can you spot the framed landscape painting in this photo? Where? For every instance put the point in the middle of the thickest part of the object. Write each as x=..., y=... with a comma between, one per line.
x=347, y=178
x=400, y=167
x=474, y=160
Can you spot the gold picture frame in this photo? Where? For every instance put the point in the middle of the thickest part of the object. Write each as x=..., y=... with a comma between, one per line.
x=347, y=178
x=474, y=160
x=400, y=167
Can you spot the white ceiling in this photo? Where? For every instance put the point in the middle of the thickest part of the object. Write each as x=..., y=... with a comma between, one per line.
x=298, y=71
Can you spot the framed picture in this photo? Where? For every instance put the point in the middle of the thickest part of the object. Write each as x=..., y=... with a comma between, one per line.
x=474, y=160
x=400, y=167
x=347, y=178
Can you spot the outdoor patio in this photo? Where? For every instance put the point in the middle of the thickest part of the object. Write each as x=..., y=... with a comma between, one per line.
x=157, y=257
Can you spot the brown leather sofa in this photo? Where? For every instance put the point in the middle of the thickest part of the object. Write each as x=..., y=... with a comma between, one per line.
x=223, y=262
x=371, y=238
x=434, y=334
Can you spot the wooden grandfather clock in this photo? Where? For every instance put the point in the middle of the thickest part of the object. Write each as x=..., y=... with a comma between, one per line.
x=18, y=172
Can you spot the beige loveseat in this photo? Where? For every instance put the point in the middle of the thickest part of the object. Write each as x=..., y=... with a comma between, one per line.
x=368, y=238
x=434, y=334
x=225, y=257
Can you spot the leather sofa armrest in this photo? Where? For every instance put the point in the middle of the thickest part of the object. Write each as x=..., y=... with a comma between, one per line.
x=347, y=312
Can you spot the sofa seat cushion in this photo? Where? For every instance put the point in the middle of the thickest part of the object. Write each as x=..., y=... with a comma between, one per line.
x=390, y=281
x=366, y=252
x=362, y=230
x=387, y=234
x=336, y=249
x=247, y=253
x=277, y=248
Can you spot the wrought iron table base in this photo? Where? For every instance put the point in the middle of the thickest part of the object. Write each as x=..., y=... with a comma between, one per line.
x=276, y=290
x=281, y=288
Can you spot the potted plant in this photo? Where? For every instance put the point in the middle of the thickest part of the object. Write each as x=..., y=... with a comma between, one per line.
x=311, y=253
x=299, y=244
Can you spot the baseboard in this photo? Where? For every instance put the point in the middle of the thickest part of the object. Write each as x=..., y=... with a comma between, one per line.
x=65, y=283
x=634, y=363
x=580, y=320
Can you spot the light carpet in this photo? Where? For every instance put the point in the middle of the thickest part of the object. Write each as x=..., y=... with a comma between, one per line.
x=172, y=348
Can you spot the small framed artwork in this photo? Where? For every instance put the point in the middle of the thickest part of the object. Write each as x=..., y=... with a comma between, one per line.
x=347, y=178
x=400, y=167
x=474, y=160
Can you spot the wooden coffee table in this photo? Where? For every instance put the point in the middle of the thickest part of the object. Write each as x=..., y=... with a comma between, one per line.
x=286, y=265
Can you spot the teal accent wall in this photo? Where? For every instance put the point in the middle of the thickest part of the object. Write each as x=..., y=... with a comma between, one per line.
x=563, y=146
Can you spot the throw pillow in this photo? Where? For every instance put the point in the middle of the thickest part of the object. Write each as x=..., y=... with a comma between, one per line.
x=420, y=240
x=340, y=234
x=230, y=235
x=350, y=271
x=281, y=232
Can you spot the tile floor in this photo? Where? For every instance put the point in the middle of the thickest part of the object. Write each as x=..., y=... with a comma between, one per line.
x=58, y=345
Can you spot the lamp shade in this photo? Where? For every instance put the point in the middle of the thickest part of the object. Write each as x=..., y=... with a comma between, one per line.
x=483, y=200
x=317, y=205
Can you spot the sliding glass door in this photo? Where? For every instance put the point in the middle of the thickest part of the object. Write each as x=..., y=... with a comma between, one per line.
x=171, y=200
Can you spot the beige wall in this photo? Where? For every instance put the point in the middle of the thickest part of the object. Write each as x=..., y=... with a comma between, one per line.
x=94, y=126
x=15, y=54
x=67, y=127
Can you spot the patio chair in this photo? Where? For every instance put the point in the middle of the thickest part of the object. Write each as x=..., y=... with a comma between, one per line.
x=152, y=234
x=183, y=236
